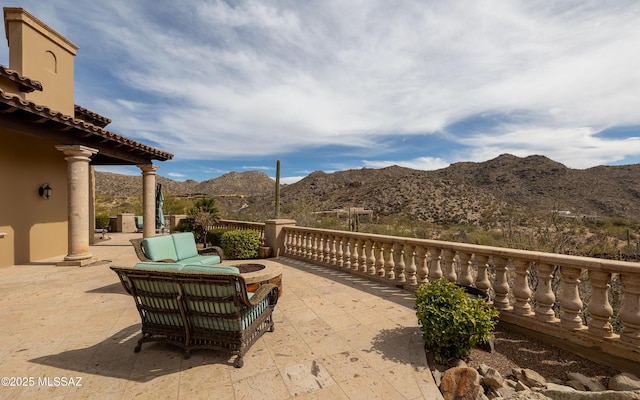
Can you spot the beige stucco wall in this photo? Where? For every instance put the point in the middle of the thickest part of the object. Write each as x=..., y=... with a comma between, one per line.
x=36, y=228
x=40, y=53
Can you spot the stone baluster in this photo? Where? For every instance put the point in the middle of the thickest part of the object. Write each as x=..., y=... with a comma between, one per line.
x=371, y=259
x=308, y=244
x=340, y=253
x=312, y=238
x=449, y=266
x=299, y=242
x=362, y=259
x=545, y=298
x=630, y=312
x=333, y=250
x=501, y=284
x=314, y=246
x=465, y=278
x=422, y=266
x=411, y=269
x=570, y=303
x=398, y=260
x=482, y=276
x=287, y=243
x=435, y=270
x=347, y=252
x=355, y=255
x=388, y=262
x=600, y=310
x=379, y=259
x=303, y=244
x=521, y=290
x=327, y=248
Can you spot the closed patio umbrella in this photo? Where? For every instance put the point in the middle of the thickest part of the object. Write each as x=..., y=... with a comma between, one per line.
x=159, y=205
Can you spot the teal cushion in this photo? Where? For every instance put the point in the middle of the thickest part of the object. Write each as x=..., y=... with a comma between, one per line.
x=185, y=245
x=159, y=248
x=159, y=266
x=201, y=260
x=204, y=268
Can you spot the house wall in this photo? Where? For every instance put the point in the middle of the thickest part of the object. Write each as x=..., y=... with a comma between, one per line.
x=40, y=53
x=35, y=228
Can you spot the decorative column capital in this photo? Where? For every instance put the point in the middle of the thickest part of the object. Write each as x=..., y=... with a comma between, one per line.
x=77, y=151
x=148, y=169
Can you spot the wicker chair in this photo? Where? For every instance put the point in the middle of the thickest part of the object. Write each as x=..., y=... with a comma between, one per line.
x=199, y=310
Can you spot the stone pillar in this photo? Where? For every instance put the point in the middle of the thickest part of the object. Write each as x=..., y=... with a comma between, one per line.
x=148, y=199
x=77, y=157
x=274, y=236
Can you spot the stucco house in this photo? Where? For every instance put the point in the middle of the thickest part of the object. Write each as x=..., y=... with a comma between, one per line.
x=48, y=147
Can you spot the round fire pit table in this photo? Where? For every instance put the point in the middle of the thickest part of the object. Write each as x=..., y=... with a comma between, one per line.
x=256, y=275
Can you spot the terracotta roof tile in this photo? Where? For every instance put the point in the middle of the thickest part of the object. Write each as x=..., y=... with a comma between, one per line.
x=26, y=85
x=91, y=117
x=81, y=125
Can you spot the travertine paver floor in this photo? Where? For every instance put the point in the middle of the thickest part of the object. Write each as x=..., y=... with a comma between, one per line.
x=337, y=337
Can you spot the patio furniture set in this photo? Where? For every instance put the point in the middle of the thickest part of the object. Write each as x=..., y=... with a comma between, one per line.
x=186, y=298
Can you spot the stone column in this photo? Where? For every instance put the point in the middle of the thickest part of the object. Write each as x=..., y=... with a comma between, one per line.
x=77, y=157
x=274, y=236
x=148, y=199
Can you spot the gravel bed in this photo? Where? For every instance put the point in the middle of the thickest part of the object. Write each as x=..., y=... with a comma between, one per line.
x=514, y=350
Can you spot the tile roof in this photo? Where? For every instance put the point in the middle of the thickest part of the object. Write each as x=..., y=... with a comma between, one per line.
x=91, y=117
x=26, y=85
x=77, y=128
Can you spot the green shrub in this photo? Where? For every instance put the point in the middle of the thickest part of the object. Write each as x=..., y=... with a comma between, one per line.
x=240, y=244
x=452, y=323
x=214, y=236
x=102, y=221
x=185, y=225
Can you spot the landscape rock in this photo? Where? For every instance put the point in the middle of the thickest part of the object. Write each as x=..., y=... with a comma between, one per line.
x=588, y=383
x=501, y=393
x=529, y=377
x=460, y=383
x=492, y=378
x=576, y=385
x=624, y=381
x=521, y=387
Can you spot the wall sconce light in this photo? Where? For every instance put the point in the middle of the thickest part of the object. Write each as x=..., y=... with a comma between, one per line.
x=45, y=191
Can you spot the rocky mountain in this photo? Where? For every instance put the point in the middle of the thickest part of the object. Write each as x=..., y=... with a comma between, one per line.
x=250, y=183
x=468, y=192
x=465, y=192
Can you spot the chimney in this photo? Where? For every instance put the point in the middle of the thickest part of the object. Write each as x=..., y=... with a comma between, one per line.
x=38, y=52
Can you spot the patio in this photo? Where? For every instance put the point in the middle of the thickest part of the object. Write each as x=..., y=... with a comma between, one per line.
x=337, y=336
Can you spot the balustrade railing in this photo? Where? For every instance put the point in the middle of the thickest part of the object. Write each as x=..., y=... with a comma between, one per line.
x=567, y=297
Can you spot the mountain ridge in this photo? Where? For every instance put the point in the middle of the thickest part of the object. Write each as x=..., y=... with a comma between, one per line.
x=464, y=192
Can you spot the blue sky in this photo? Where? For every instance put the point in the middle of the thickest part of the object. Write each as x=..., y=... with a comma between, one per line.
x=333, y=85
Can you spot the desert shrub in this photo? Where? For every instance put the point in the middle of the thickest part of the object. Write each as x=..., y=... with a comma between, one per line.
x=102, y=221
x=185, y=225
x=240, y=244
x=214, y=236
x=452, y=323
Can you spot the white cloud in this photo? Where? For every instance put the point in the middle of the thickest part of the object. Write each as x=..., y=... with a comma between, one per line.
x=288, y=180
x=215, y=80
x=423, y=163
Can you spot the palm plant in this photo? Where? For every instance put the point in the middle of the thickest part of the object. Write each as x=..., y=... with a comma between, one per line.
x=204, y=215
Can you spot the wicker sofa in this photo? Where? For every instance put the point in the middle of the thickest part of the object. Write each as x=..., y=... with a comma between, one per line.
x=177, y=248
x=199, y=307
